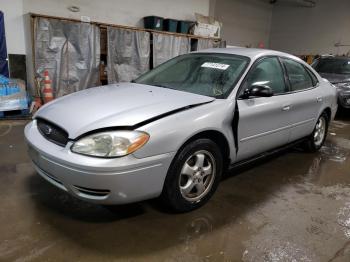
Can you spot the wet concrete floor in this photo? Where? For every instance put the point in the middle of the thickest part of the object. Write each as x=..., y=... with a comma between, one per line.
x=292, y=207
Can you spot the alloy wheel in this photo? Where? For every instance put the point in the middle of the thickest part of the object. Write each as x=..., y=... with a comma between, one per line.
x=197, y=175
x=320, y=131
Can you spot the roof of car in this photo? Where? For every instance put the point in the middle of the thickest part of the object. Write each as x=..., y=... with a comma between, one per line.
x=334, y=57
x=252, y=53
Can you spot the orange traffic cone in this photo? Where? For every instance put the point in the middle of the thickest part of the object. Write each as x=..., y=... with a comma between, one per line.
x=35, y=105
x=47, y=91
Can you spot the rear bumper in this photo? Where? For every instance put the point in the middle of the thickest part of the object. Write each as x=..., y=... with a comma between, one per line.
x=104, y=181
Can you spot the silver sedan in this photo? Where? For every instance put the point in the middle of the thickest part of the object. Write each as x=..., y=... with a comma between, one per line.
x=172, y=132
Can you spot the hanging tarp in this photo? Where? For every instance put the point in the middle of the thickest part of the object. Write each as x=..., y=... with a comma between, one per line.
x=128, y=54
x=4, y=70
x=70, y=51
x=205, y=44
x=166, y=47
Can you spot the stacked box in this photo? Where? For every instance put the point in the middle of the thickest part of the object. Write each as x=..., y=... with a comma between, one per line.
x=13, y=95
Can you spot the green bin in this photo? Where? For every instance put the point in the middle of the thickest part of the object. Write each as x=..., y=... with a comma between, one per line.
x=153, y=22
x=170, y=25
x=184, y=26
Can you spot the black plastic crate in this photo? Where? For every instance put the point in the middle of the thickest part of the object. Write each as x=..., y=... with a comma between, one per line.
x=153, y=22
x=170, y=25
x=184, y=26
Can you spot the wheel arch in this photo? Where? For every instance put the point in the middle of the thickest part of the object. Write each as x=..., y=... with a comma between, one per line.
x=218, y=138
x=328, y=112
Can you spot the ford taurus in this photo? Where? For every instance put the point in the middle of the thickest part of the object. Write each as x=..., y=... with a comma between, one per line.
x=173, y=131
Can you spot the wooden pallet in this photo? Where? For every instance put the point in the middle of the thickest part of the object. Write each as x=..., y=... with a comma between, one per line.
x=15, y=114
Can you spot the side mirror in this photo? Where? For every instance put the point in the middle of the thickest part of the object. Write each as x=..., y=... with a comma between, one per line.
x=257, y=91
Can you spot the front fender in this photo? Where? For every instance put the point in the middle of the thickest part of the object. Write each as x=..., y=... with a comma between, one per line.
x=168, y=134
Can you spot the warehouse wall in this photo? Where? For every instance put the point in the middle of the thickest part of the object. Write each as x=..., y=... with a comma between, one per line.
x=245, y=22
x=130, y=12
x=14, y=25
x=315, y=30
x=120, y=11
x=110, y=11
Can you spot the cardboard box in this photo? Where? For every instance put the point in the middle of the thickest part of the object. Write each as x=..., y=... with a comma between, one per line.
x=207, y=30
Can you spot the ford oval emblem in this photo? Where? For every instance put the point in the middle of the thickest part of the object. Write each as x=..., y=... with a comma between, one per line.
x=47, y=130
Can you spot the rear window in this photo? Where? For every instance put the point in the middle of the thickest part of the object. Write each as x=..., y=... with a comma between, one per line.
x=313, y=77
x=298, y=77
x=333, y=66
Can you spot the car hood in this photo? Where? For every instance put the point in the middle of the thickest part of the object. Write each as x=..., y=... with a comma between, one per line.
x=336, y=78
x=118, y=105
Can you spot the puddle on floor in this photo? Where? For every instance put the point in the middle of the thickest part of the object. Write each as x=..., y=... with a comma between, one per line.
x=309, y=219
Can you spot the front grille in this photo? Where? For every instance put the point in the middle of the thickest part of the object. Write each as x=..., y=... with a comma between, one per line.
x=52, y=132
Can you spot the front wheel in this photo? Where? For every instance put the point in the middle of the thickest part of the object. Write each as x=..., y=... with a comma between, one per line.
x=193, y=176
x=318, y=136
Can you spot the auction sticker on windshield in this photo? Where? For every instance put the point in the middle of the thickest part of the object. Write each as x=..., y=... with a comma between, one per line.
x=215, y=65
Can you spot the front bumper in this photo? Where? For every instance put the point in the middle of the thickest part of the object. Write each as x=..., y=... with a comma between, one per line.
x=104, y=181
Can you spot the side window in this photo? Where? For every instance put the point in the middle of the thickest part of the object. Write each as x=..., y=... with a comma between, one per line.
x=299, y=78
x=313, y=77
x=268, y=72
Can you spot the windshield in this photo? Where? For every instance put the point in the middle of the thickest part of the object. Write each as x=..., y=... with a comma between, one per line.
x=213, y=75
x=333, y=66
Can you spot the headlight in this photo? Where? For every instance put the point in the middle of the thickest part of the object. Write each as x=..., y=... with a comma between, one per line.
x=110, y=144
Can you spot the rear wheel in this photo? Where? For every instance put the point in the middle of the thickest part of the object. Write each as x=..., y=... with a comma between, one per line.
x=193, y=176
x=318, y=136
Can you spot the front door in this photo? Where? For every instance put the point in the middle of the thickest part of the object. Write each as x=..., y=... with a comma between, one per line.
x=264, y=122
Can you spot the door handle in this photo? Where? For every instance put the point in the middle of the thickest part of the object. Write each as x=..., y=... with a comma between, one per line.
x=319, y=99
x=286, y=108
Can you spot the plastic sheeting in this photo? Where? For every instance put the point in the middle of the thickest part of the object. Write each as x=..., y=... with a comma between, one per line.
x=70, y=51
x=166, y=47
x=205, y=44
x=4, y=70
x=128, y=54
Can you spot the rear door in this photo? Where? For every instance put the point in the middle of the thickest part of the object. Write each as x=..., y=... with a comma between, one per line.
x=264, y=122
x=306, y=98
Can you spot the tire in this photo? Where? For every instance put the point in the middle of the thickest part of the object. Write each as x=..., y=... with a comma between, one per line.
x=316, y=140
x=193, y=176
